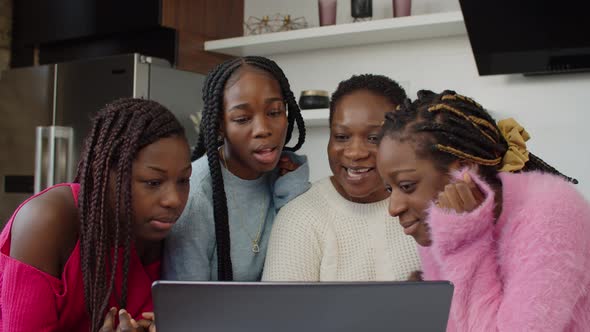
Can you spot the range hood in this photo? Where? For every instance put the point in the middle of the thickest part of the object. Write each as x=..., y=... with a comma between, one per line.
x=528, y=36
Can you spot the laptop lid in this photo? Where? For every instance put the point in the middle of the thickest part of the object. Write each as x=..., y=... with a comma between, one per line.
x=298, y=307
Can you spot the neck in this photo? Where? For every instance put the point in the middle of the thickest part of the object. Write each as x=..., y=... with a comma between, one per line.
x=374, y=197
x=148, y=251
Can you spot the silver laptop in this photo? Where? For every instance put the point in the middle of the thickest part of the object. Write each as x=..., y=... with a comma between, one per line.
x=301, y=307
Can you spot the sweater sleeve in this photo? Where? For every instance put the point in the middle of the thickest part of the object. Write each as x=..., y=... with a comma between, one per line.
x=292, y=184
x=294, y=249
x=27, y=300
x=189, y=247
x=544, y=283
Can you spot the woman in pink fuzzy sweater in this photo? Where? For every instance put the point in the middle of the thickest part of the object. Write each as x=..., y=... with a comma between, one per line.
x=515, y=245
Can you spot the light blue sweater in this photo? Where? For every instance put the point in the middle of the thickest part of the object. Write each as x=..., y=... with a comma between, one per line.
x=190, y=251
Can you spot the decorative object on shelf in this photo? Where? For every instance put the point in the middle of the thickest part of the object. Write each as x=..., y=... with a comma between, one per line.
x=257, y=26
x=327, y=9
x=312, y=99
x=415, y=27
x=401, y=8
x=291, y=23
x=278, y=22
x=361, y=10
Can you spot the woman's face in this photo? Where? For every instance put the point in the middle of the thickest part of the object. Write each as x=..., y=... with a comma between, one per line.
x=254, y=123
x=352, y=149
x=159, y=187
x=413, y=182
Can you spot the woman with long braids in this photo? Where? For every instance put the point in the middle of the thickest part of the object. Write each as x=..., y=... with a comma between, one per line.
x=509, y=231
x=74, y=254
x=241, y=175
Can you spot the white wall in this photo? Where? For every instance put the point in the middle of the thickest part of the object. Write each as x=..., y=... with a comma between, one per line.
x=554, y=109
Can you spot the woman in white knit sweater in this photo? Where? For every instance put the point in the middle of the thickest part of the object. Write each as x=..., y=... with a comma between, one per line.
x=339, y=230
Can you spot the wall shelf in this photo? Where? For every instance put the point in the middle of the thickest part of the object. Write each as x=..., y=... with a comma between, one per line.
x=342, y=35
x=316, y=117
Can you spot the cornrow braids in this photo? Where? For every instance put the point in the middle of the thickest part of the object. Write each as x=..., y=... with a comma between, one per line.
x=449, y=126
x=377, y=84
x=208, y=142
x=118, y=132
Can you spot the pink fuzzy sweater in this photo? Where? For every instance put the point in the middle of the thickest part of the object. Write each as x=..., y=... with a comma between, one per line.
x=530, y=271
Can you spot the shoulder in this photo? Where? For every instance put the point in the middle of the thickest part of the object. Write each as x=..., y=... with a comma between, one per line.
x=45, y=229
x=200, y=173
x=549, y=204
x=200, y=181
x=308, y=208
x=299, y=159
x=541, y=191
x=311, y=199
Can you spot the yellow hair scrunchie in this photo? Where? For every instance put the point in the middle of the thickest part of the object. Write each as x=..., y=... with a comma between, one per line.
x=517, y=154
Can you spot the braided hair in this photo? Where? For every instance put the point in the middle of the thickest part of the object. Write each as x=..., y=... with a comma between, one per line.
x=118, y=132
x=449, y=126
x=209, y=143
x=378, y=84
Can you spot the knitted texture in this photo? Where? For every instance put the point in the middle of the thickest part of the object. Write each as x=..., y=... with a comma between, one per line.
x=321, y=236
x=190, y=248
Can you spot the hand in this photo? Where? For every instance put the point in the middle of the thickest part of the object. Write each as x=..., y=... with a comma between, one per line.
x=416, y=276
x=127, y=323
x=286, y=165
x=148, y=323
x=460, y=196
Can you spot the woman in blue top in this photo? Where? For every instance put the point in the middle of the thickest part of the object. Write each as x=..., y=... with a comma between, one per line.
x=236, y=189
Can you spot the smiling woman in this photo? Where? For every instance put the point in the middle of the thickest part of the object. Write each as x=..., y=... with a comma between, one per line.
x=339, y=229
x=509, y=231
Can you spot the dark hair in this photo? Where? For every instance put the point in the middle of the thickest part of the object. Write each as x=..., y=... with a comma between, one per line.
x=377, y=84
x=208, y=143
x=449, y=126
x=118, y=132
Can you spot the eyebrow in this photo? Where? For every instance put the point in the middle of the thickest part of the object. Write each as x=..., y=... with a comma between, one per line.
x=157, y=169
x=407, y=170
x=371, y=127
x=245, y=105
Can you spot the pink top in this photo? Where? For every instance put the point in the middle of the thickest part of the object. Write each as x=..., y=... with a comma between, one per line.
x=528, y=272
x=32, y=300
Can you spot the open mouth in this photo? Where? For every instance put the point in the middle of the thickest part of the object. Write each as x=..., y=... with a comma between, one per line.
x=357, y=173
x=266, y=155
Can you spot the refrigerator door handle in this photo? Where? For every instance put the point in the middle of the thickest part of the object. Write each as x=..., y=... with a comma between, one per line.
x=38, y=157
x=54, y=156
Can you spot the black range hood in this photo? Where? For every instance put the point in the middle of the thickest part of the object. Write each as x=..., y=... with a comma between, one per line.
x=528, y=36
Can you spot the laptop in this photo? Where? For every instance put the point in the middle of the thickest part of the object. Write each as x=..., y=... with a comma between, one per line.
x=301, y=307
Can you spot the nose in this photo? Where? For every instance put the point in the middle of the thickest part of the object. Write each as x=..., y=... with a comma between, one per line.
x=261, y=127
x=397, y=204
x=173, y=198
x=356, y=150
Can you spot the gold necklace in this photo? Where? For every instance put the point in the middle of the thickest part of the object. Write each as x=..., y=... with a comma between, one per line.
x=255, y=240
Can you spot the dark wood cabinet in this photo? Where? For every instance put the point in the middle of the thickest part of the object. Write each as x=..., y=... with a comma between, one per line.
x=63, y=30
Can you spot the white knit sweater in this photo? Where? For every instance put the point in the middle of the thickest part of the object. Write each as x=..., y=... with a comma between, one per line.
x=321, y=236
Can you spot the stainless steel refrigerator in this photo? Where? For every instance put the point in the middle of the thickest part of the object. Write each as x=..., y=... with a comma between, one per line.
x=46, y=111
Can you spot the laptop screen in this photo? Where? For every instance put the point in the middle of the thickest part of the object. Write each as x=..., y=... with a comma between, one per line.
x=266, y=307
